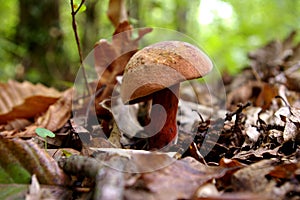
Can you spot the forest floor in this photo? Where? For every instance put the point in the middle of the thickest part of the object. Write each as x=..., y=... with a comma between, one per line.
x=250, y=150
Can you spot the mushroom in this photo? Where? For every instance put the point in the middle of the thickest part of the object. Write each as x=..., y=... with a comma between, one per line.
x=155, y=72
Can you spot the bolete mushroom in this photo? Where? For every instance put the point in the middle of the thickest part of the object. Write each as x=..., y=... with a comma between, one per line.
x=155, y=72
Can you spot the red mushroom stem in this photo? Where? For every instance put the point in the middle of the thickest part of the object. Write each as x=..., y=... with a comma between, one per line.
x=168, y=98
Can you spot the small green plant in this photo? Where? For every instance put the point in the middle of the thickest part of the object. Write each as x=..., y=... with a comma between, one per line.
x=44, y=133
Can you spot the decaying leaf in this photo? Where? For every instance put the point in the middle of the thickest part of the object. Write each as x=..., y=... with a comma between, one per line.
x=133, y=161
x=111, y=58
x=267, y=178
x=261, y=94
x=252, y=178
x=58, y=113
x=109, y=184
x=176, y=179
x=38, y=191
x=290, y=117
x=24, y=100
x=16, y=124
x=13, y=191
x=21, y=159
x=266, y=61
x=53, y=119
x=117, y=11
x=180, y=180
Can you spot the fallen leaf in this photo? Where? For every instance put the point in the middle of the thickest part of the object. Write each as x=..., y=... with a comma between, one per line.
x=53, y=119
x=21, y=159
x=181, y=179
x=111, y=59
x=254, y=155
x=293, y=81
x=235, y=196
x=133, y=161
x=58, y=113
x=252, y=178
x=109, y=184
x=117, y=11
x=284, y=171
x=38, y=191
x=261, y=94
x=266, y=61
x=16, y=124
x=24, y=100
x=290, y=131
x=13, y=191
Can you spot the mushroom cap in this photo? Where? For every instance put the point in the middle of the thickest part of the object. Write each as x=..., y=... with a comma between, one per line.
x=160, y=66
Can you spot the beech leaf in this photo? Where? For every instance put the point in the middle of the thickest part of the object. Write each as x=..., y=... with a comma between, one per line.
x=20, y=159
x=24, y=100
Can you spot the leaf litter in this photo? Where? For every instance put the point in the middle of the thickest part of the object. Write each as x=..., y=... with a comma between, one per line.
x=252, y=147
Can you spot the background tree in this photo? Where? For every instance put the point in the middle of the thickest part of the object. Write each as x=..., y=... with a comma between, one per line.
x=39, y=33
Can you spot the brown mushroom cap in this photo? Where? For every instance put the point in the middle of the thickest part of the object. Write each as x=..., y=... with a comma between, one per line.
x=162, y=65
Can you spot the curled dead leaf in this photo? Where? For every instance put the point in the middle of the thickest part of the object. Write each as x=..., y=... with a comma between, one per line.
x=117, y=11
x=53, y=119
x=26, y=156
x=181, y=179
x=261, y=94
x=111, y=59
x=24, y=100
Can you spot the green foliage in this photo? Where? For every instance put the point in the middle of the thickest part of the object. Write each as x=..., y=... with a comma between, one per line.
x=246, y=26
x=44, y=133
x=9, y=18
x=13, y=173
x=77, y=4
x=252, y=24
x=13, y=191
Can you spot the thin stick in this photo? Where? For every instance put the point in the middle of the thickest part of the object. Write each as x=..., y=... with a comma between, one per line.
x=74, y=25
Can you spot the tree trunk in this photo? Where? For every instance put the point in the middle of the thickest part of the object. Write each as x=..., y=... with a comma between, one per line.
x=91, y=26
x=39, y=34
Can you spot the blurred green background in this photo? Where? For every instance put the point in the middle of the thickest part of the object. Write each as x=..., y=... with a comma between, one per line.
x=37, y=41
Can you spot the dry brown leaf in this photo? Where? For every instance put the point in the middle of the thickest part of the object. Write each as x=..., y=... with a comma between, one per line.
x=117, y=11
x=266, y=61
x=293, y=81
x=181, y=179
x=111, y=59
x=37, y=191
x=16, y=124
x=285, y=171
x=16, y=152
x=266, y=179
x=58, y=113
x=256, y=155
x=290, y=131
x=261, y=94
x=133, y=161
x=53, y=119
x=252, y=178
x=24, y=100
x=290, y=116
x=235, y=196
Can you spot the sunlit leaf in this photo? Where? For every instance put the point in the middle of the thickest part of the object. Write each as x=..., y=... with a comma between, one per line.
x=42, y=132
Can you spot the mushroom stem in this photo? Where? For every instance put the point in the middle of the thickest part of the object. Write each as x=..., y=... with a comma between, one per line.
x=168, y=99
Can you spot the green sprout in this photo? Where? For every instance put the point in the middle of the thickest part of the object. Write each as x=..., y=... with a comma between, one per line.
x=44, y=133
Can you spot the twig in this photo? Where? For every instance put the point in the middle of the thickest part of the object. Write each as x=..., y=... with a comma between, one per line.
x=73, y=13
x=237, y=112
x=81, y=3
